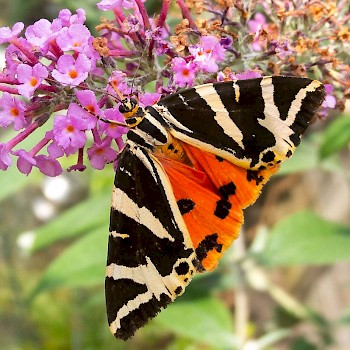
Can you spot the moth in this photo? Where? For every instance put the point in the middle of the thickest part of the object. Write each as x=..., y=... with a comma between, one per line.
x=190, y=165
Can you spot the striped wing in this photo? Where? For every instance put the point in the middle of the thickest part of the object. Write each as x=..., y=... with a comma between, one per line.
x=253, y=123
x=150, y=256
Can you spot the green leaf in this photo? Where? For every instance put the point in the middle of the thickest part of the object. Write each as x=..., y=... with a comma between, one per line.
x=336, y=136
x=305, y=238
x=204, y=320
x=82, y=218
x=303, y=344
x=80, y=265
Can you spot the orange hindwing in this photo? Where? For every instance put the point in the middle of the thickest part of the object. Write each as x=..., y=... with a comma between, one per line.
x=211, y=196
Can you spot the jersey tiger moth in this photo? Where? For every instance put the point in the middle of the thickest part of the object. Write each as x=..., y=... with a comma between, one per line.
x=191, y=164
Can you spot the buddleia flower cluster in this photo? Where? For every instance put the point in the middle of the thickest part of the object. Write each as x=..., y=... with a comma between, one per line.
x=61, y=78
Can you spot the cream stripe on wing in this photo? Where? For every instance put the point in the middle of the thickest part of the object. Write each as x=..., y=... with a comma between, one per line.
x=298, y=100
x=222, y=117
x=128, y=307
x=147, y=275
x=125, y=205
x=272, y=121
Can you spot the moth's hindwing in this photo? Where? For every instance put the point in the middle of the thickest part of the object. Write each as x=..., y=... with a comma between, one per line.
x=150, y=256
x=253, y=123
x=211, y=199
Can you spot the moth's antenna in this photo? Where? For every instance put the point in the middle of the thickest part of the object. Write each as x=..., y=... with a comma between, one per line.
x=137, y=69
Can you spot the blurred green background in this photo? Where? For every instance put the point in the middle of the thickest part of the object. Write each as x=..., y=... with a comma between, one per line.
x=285, y=284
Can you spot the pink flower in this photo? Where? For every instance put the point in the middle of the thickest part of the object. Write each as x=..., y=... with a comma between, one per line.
x=30, y=78
x=48, y=166
x=70, y=71
x=248, y=74
x=25, y=161
x=112, y=130
x=5, y=159
x=12, y=111
x=208, y=53
x=185, y=73
x=67, y=19
x=255, y=25
x=39, y=33
x=54, y=150
x=330, y=101
x=117, y=81
x=14, y=57
x=106, y=5
x=68, y=133
x=100, y=154
x=6, y=34
x=282, y=48
x=76, y=38
x=87, y=99
x=149, y=99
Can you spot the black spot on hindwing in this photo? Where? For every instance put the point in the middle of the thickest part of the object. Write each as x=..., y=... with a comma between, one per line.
x=209, y=243
x=183, y=268
x=268, y=156
x=253, y=175
x=222, y=208
x=185, y=205
x=227, y=190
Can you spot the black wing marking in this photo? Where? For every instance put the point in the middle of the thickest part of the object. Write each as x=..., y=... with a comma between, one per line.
x=150, y=257
x=253, y=123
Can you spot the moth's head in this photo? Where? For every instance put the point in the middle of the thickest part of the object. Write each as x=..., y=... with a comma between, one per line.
x=128, y=106
x=132, y=111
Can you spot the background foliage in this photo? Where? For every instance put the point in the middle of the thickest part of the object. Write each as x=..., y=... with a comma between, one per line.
x=284, y=285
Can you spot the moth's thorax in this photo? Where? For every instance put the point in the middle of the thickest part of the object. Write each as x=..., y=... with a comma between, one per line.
x=148, y=131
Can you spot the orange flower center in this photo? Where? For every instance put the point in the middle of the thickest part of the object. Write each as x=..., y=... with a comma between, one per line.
x=70, y=128
x=73, y=73
x=33, y=81
x=185, y=72
x=14, y=112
